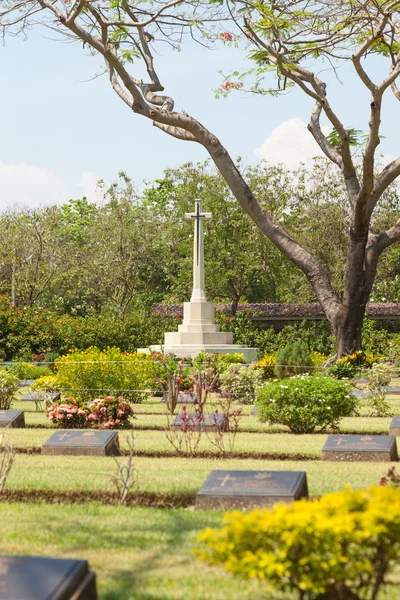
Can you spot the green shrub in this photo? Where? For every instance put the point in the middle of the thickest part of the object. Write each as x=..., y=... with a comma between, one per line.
x=293, y=360
x=266, y=365
x=219, y=361
x=341, y=547
x=240, y=384
x=306, y=403
x=378, y=377
x=93, y=373
x=30, y=371
x=9, y=384
x=45, y=384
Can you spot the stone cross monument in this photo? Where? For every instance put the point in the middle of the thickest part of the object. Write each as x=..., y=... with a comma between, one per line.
x=198, y=293
x=198, y=330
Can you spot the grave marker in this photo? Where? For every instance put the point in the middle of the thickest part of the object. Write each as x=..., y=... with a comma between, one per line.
x=394, y=428
x=392, y=389
x=38, y=578
x=39, y=397
x=214, y=422
x=12, y=418
x=374, y=448
x=76, y=442
x=251, y=489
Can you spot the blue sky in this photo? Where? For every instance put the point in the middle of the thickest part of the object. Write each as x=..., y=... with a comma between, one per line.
x=60, y=131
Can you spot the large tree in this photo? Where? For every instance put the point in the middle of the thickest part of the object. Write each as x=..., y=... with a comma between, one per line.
x=285, y=37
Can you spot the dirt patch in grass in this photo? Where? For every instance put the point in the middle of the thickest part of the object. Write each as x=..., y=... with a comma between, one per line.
x=205, y=454
x=146, y=499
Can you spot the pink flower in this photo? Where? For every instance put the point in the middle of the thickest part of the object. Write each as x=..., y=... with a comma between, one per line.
x=117, y=421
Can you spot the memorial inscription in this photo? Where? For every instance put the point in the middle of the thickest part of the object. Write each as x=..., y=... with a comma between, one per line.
x=251, y=489
x=214, y=422
x=76, y=442
x=38, y=578
x=12, y=418
x=360, y=447
x=394, y=428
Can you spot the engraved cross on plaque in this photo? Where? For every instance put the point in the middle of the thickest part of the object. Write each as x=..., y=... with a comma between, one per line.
x=62, y=436
x=198, y=293
x=225, y=479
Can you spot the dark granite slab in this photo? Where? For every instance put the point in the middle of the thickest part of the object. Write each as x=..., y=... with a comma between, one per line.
x=38, y=578
x=82, y=442
x=362, y=394
x=213, y=422
x=360, y=379
x=394, y=428
x=26, y=382
x=251, y=489
x=12, y=418
x=393, y=389
x=41, y=397
x=360, y=447
x=183, y=398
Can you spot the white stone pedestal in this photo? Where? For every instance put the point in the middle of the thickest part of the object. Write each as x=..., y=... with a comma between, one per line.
x=198, y=331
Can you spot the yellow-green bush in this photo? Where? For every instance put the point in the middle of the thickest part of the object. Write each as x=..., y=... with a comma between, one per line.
x=45, y=384
x=95, y=373
x=339, y=547
x=9, y=383
x=266, y=364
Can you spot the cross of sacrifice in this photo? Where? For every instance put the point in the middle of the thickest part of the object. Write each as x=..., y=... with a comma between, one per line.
x=198, y=251
x=225, y=479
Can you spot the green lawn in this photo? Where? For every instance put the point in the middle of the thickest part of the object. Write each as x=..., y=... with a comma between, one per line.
x=137, y=553
x=146, y=553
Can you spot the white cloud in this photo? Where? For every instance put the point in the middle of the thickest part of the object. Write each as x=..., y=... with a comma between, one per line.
x=88, y=183
x=290, y=143
x=25, y=185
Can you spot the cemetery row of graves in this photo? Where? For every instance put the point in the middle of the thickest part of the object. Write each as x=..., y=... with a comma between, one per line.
x=128, y=476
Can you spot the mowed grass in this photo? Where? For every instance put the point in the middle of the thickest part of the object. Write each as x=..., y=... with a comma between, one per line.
x=137, y=553
x=179, y=475
x=147, y=554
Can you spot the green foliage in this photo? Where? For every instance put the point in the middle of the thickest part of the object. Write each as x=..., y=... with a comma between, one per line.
x=306, y=403
x=293, y=360
x=266, y=365
x=92, y=373
x=378, y=377
x=219, y=361
x=31, y=371
x=240, y=384
x=341, y=546
x=355, y=136
x=45, y=384
x=9, y=384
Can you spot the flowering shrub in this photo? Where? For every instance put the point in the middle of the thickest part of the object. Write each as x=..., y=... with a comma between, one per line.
x=305, y=403
x=347, y=366
x=9, y=384
x=68, y=414
x=342, y=546
x=267, y=366
x=240, y=384
x=392, y=478
x=104, y=413
x=109, y=413
x=95, y=372
x=172, y=377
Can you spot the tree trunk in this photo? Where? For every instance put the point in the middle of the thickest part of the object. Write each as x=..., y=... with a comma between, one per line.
x=348, y=328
